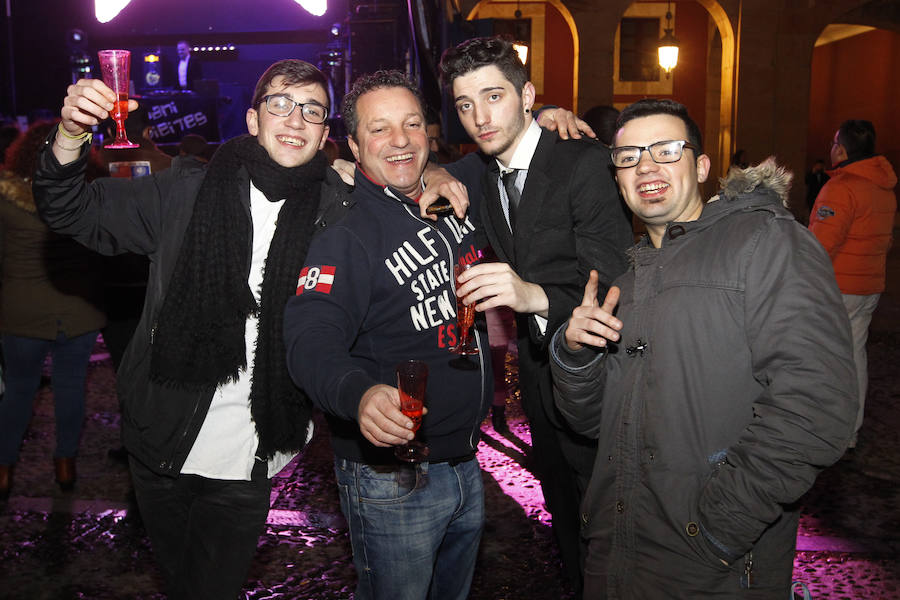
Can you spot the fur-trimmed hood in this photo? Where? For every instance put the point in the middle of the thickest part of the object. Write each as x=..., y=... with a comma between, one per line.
x=16, y=190
x=762, y=187
x=767, y=175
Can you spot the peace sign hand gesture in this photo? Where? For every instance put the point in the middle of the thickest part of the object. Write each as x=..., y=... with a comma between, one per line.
x=592, y=325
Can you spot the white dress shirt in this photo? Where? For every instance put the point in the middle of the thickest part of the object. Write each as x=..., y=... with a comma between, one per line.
x=182, y=72
x=521, y=160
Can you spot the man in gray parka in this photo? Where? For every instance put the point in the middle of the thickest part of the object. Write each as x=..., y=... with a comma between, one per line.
x=721, y=387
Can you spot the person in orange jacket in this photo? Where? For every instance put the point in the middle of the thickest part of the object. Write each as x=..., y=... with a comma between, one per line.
x=853, y=218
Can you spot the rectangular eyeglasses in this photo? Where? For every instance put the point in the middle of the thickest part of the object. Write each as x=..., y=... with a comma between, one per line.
x=667, y=151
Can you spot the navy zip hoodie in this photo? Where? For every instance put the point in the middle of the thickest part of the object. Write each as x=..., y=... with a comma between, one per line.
x=378, y=289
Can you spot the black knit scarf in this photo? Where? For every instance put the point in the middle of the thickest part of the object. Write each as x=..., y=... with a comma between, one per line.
x=199, y=341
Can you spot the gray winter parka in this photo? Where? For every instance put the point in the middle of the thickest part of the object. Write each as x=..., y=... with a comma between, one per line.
x=732, y=386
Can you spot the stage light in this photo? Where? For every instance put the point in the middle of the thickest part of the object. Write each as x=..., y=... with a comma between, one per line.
x=75, y=38
x=106, y=10
x=220, y=51
x=314, y=7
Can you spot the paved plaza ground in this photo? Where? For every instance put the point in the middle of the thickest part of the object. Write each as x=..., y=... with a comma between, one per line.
x=90, y=544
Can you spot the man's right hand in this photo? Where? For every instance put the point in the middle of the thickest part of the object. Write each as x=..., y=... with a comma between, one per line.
x=593, y=325
x=380, y=419
x=88, y=102
x=439, y=183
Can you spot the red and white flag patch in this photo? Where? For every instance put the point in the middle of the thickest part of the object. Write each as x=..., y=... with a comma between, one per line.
x=316, y=279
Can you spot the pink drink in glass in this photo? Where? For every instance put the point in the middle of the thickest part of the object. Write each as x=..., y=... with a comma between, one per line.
x=115, y=66
x=412, y=379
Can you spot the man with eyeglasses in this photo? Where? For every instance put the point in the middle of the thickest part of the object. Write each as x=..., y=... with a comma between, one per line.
x=552, y=214
x=209, y=412
x=716, y=374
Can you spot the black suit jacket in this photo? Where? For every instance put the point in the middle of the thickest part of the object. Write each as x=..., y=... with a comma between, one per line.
x=194, y=72
x=570, y=220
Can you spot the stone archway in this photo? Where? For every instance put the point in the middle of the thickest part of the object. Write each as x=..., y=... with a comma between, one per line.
x=728, y=86
x=717, y=72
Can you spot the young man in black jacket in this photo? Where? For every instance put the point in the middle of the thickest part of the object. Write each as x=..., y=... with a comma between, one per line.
x=551, y=213
x=378, y=289
x=209, y=413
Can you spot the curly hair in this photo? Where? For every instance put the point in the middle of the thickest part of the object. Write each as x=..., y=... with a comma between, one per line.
x=368, y=83
x=482, y=52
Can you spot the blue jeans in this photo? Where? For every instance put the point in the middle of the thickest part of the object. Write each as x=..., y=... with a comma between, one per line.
x=414, y=529
x=24, y=361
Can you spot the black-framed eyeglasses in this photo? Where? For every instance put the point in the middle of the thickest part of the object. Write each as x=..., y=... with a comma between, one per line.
x=667, y=151
x=281, y=105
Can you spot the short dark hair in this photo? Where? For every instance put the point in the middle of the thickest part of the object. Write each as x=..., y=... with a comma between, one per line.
x=857, y=136
x=602, y=120
x=482, y=52
x=294, y=72
x=368, y=83
x=663, y=106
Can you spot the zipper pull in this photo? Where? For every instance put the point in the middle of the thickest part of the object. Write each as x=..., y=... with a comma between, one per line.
x=748, y=570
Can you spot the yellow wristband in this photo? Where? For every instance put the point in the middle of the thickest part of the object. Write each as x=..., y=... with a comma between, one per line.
x=67, y=135
x=76, y=148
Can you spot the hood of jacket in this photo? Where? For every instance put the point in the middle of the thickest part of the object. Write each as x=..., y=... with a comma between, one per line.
x=761, y=187
x=17, y=190
x=876, y=169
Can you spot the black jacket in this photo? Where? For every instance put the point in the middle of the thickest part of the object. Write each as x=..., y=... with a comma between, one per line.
x=148, y=216
x=570, y=221
x=378, y=289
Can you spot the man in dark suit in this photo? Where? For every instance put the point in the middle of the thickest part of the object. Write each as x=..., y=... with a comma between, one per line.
x=189, y=69
x=552, y=213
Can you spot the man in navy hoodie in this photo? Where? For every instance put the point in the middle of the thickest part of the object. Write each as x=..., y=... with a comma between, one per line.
x=378, y=289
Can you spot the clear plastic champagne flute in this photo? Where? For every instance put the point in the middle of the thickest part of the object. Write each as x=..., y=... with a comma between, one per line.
x=412, y=379
x=115, y=66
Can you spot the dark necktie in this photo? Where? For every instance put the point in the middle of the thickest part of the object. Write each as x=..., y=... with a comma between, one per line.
x=512, y=193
